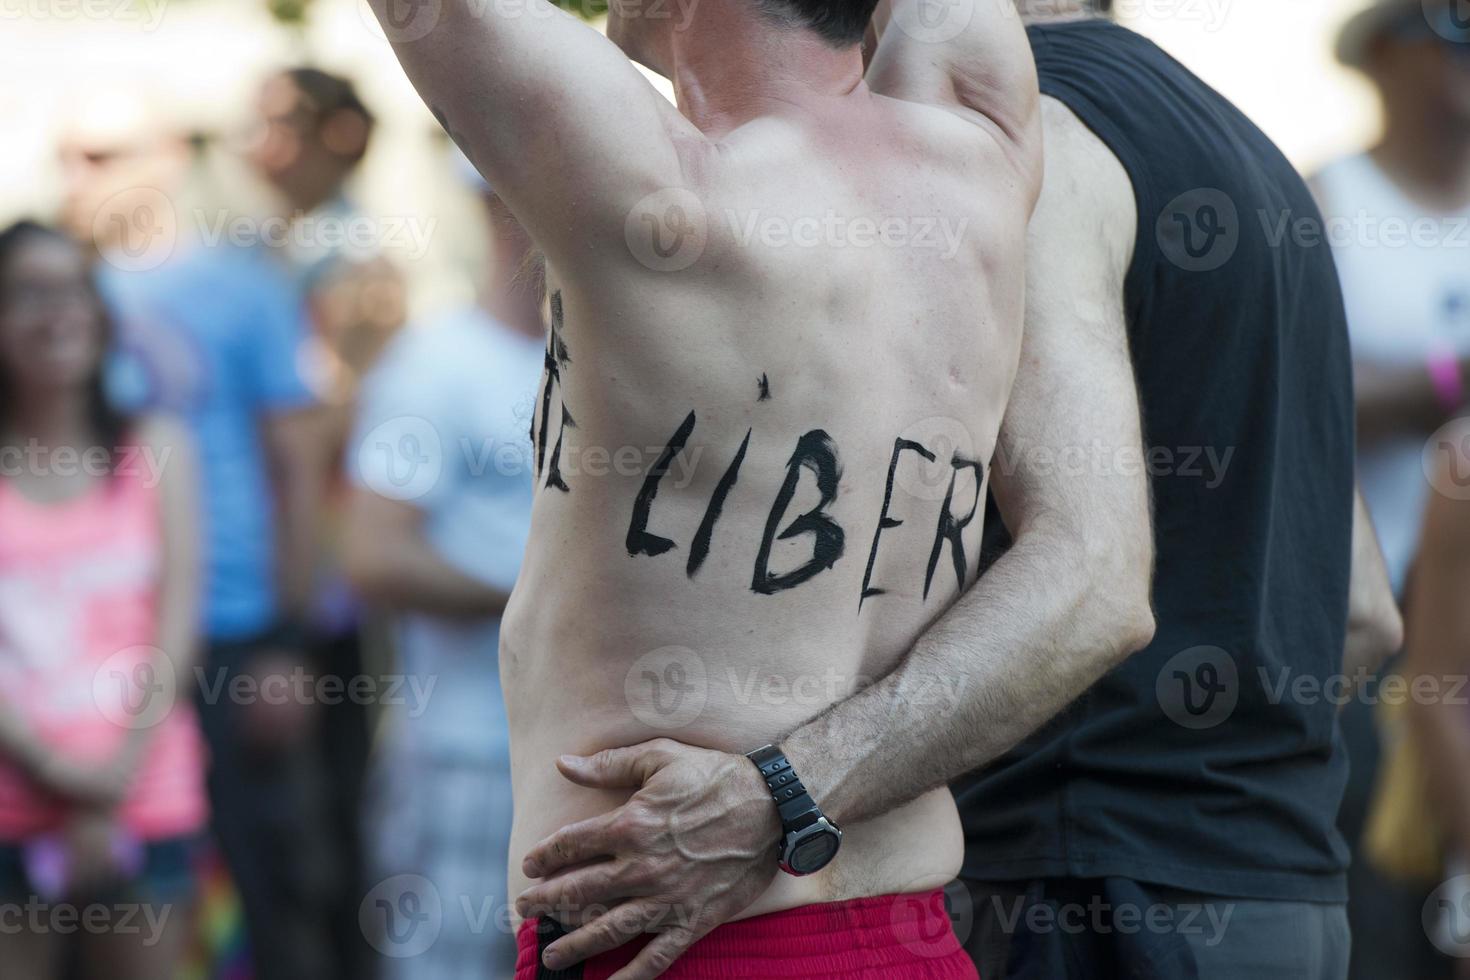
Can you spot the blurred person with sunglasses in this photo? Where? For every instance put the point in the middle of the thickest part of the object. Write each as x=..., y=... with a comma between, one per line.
x=1398, y=218
x=102, y=801
x=310, y=135
x=1398, y=221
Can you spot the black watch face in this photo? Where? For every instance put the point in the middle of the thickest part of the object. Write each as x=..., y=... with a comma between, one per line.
x=813, y=853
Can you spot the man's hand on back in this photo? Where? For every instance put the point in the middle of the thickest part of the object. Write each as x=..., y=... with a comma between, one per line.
x=693, y=847
x=1067, y=602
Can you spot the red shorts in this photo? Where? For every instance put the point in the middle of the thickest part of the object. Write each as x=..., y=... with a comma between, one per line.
x=890, y=937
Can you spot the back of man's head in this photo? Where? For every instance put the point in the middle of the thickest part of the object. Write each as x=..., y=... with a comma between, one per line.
x=839, y=22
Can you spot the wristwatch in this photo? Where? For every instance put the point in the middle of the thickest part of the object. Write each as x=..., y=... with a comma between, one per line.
x=809, y=841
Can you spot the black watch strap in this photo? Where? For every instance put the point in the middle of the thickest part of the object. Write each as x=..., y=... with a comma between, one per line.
x=792, y=800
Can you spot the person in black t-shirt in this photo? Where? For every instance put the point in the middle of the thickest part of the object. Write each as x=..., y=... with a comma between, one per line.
x=1168, y=814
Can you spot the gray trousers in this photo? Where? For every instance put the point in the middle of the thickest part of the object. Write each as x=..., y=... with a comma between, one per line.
x=1095, y=929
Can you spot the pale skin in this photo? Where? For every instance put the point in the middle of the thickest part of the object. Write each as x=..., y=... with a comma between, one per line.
x=774, y=128
x=1438, y=632
x=1435, y=663
x=1375, y=628
x=51, y=410
x=1065, y=604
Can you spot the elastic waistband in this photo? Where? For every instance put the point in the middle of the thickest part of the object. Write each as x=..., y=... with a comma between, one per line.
x=888, y=936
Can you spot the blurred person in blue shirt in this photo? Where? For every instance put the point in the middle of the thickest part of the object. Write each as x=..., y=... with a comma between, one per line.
x=307, y=142
x=442, y=463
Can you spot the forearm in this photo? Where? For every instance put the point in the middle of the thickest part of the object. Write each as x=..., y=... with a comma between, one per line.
x=300, y=455
x=1439, y=634
x=296, y=543
x=1031, y=636
x=1445, y=743
x=416, y=579
x=1375, y=629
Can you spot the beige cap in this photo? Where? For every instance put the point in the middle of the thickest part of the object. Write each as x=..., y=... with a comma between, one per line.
x=1359, y=32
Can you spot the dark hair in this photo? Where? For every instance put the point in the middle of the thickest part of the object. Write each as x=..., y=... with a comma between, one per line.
x=327, y=94
x=839, y=22
x=109, y=426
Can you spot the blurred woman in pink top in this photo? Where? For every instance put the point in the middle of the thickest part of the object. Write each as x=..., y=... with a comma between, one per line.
x=101, y=766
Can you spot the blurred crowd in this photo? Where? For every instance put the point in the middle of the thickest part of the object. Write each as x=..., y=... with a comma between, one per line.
x=257, y=529
x=257, y=535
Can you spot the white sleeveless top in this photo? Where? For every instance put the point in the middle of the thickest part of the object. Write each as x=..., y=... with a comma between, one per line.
x=1406, y=283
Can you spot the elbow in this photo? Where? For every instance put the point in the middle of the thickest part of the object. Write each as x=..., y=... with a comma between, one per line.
x=1377, y=633
x=1138, y=630
x=367, y=570
x=1102, y=580
x=1390, y=632
x=1120, y=591
x=1129, y=626
x=1116, y=614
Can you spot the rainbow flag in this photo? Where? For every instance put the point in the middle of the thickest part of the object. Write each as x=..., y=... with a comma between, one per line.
x=219, y=950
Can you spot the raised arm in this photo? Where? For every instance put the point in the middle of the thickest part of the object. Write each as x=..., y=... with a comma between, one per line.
x=1067, y=602
x=969, y=54
x=555, y=117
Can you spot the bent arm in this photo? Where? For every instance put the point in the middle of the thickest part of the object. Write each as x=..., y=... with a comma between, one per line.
x=1071, y=598
x=558, y=120
x=1375, y=630
x=294, y=447
x=390, y=561
x=974, y=55
x=1438, y=638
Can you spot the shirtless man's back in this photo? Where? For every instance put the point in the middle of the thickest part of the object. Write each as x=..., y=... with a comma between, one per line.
x=785, y=321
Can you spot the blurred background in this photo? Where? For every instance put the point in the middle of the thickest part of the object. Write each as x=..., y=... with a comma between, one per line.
x=203, y=59
x=280, y=224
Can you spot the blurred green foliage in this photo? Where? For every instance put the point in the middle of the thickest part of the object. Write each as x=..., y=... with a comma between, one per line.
x=586, y=9
x=292, y=13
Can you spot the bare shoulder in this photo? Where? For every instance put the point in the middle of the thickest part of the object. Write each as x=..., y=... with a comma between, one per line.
x=1087, y=198
x=968, y=58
